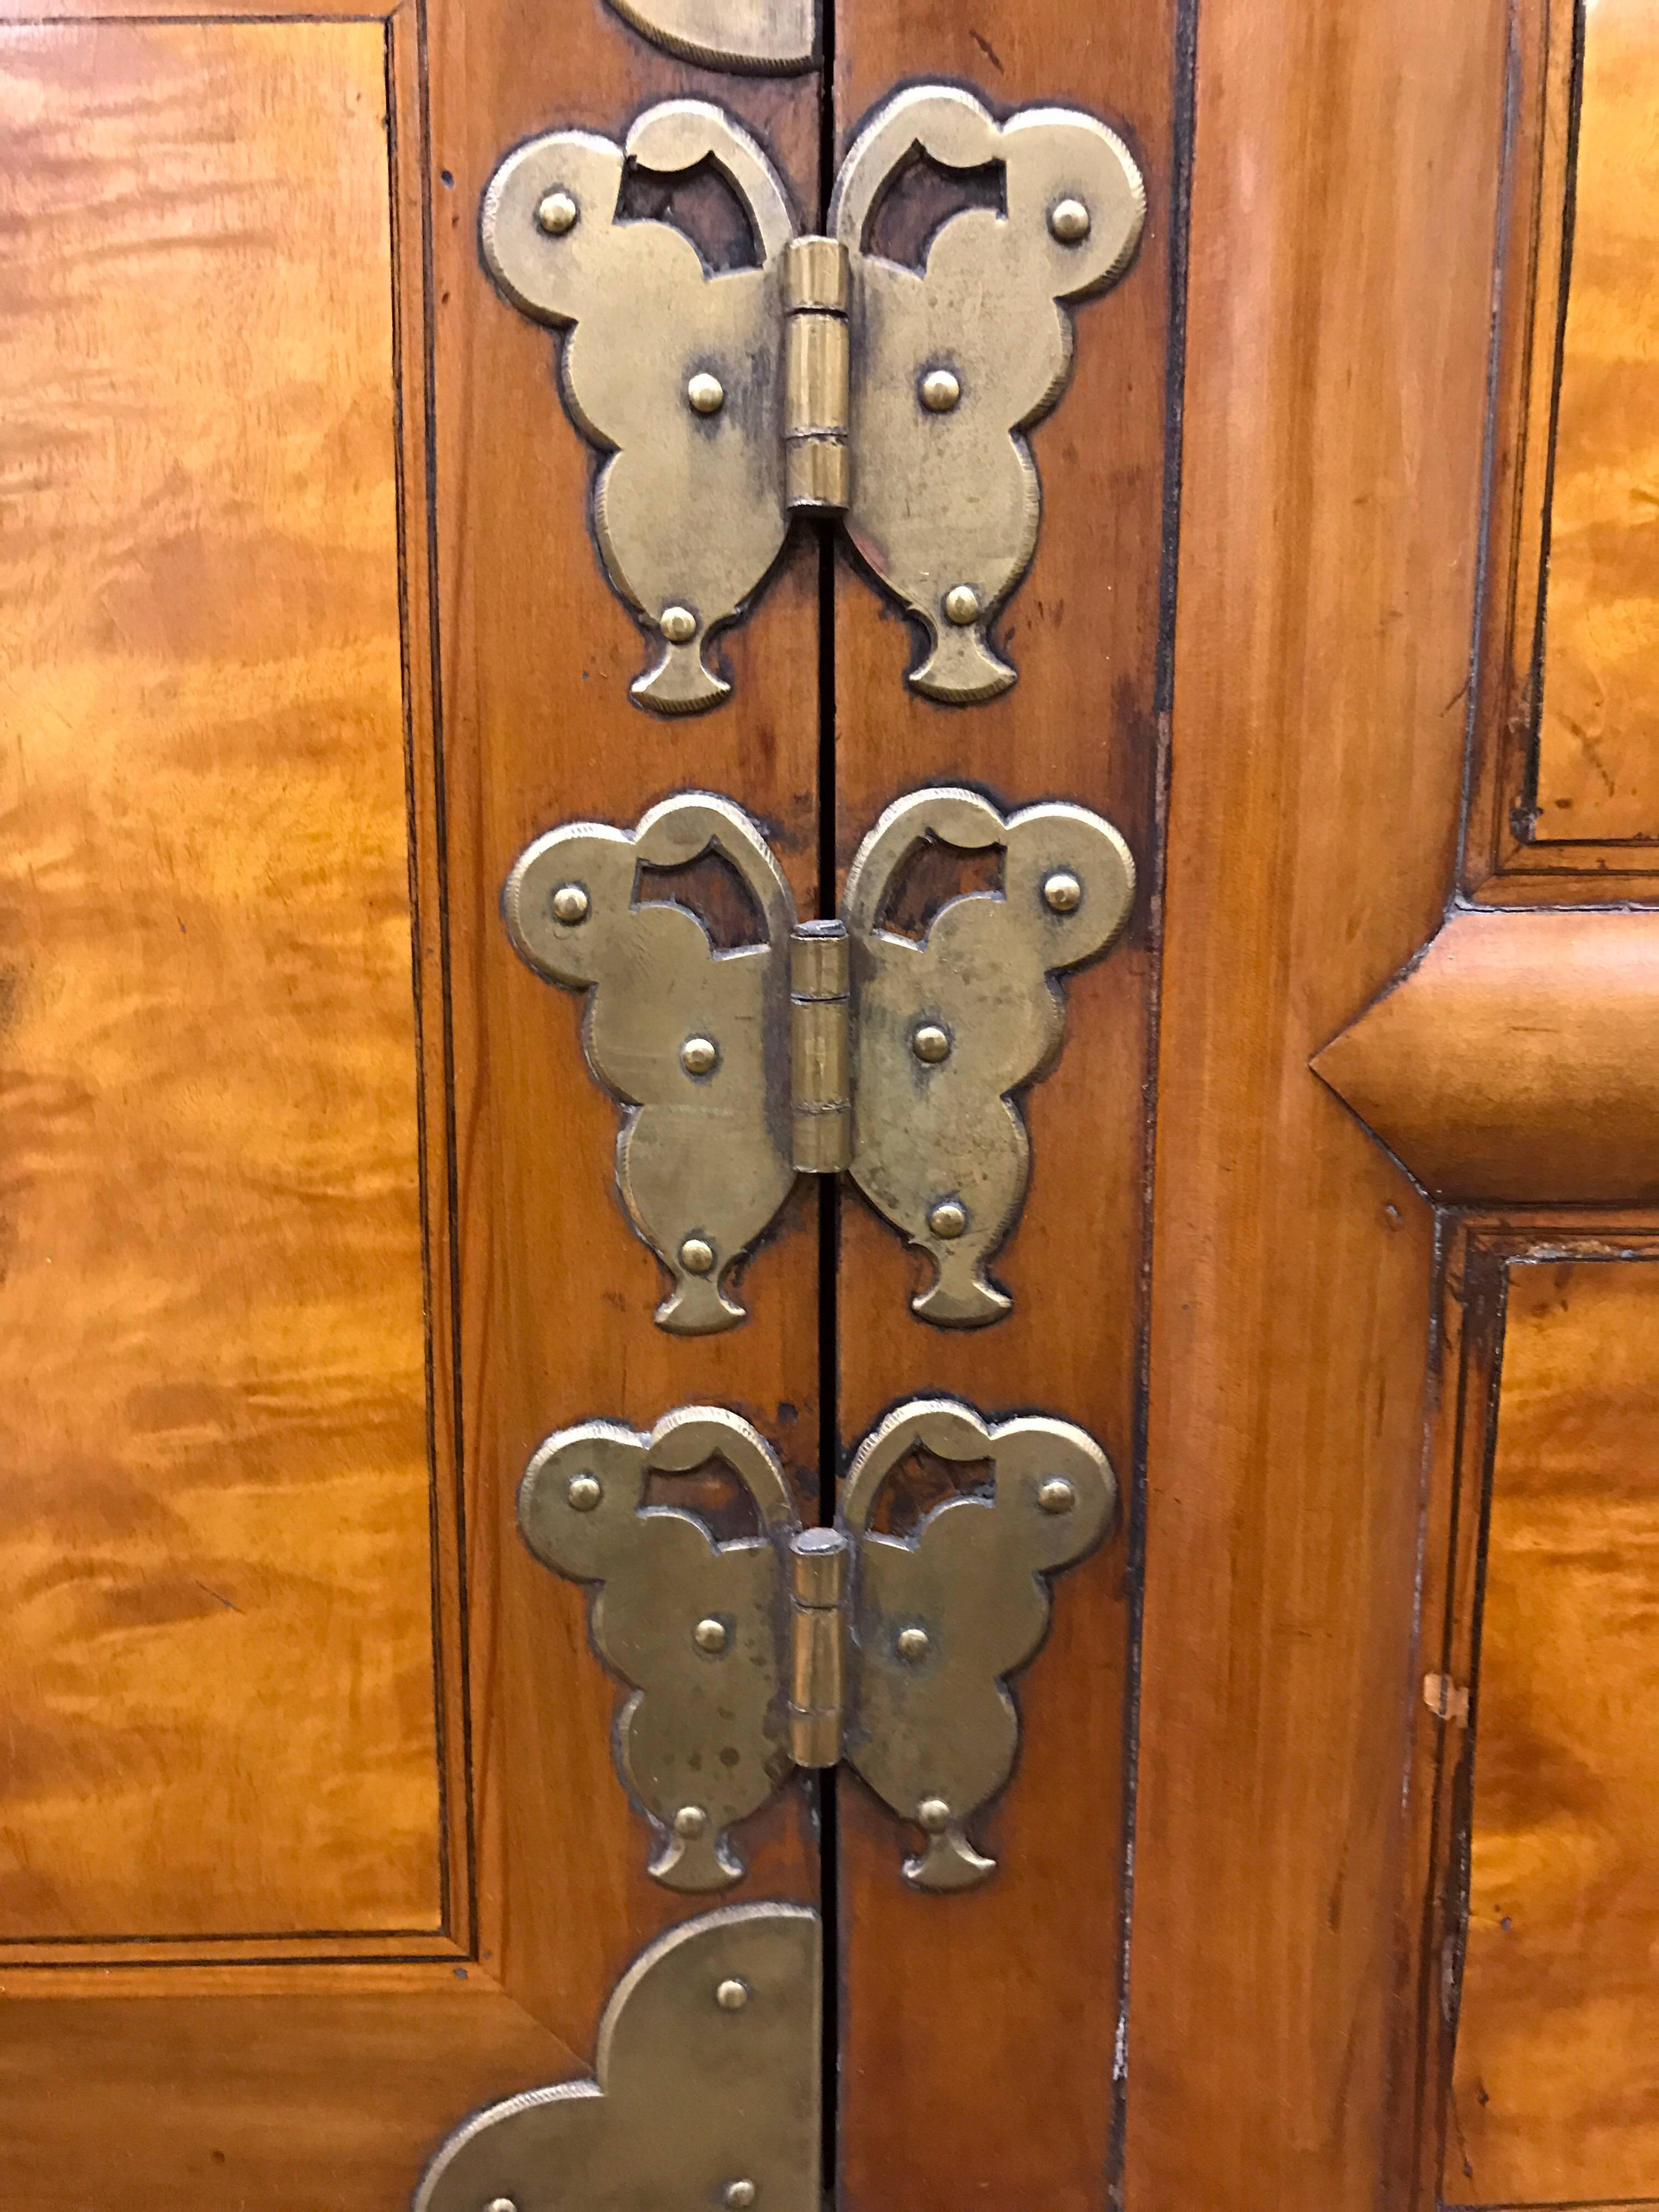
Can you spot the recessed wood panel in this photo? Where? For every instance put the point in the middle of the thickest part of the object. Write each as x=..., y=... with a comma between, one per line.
x=1555, y=2091
x=216, y=1564
x=1598, y=738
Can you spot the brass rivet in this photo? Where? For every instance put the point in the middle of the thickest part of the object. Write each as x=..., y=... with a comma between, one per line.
x=948, y=1220
x=710, y=1635
x=933, y=1815
x=557, y=214
x=697, y=1256
x=679, y=625
x=914, y=1643
x=941, y=390
x=962, y=604
x=698, y=1055
x=930, y=1043
x=707, y=393
x=584, y=1492
x=570, y=904
x=732, y=1995
x=1070, y=222
x=1062, y=893
x=689, y=1822
x=741, y=2194
x=1056, y=1495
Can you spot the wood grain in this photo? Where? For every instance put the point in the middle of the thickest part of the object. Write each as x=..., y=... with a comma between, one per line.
x=998, y=2085
x=1556, y=2088
x=215, y=1541
x=537, y=728
x=1333, y=418
x=1598, y=732
x=1514, y=1060
x=310, y=2100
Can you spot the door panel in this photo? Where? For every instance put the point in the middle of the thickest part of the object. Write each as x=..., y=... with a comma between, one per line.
x=215, y=1297
x=1549, y=1663
x=1022, y=1976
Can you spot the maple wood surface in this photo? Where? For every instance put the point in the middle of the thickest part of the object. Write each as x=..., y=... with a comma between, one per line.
x=1345, y=192
x=979, y=2031
x=1515, y=1059
x=1598, y=731
x=308, y=2101
x=215, y=1547
x=1555, y=2092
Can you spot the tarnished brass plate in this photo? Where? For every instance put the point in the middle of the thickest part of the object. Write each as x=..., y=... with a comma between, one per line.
x=706, y=2078
x=744, y=1658
x=763, y=35
x=729, y=1078
x=825, y=378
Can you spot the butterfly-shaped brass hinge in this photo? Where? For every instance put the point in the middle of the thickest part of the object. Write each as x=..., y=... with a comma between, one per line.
x=748, y=1654
x=819, y=1047
x=822, y=376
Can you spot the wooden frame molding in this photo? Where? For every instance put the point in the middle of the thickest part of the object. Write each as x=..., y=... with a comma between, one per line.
x=1516, y=1059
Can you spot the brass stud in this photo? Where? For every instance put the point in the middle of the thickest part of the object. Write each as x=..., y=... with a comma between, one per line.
x=710, y=1635
x=584, y=1492
x=571, y=904
x=1056, y=1495
x=689, y=1822
x=679, y=625
x=962, y=604
x=698, y=1055
x=697, y=1256
x=930, y=1043
x=555, y=213
x=933, y=1815
x=941, y=391
x=948, y=1220
x=914, y=1643
x=707, y=393
x=741, y=2194
x=732, y=1995
x=1062, y=893
x=1070, y=222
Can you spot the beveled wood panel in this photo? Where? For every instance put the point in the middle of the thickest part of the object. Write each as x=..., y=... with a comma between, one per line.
x=980, y=2032
x=1567, y=514
x=1516, y=1059
x=215, y=1550
x=1598, y=732
x=1555, y=2091
x=316, y=2099
x=538, y=728
x=1334, y=411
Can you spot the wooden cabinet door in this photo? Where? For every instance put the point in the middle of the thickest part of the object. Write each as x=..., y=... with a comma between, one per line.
x=1324, y=1878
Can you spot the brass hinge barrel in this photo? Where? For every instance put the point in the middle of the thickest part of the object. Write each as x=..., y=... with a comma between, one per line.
x=817, y=1566
x=817, y=368
x=821, y=1046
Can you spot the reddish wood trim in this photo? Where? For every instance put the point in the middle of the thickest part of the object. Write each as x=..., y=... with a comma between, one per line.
x=1334, y=416
x=1516, y=1061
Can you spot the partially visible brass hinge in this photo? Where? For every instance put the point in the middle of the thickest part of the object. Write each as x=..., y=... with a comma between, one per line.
x=807, y=1647
x=824, y=378
x=826, y=1045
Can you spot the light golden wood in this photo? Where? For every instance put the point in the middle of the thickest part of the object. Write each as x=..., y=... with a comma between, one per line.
x=1555, y=2095
x=1518, y=1059
x=214, y=1549
x=1598, y=736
